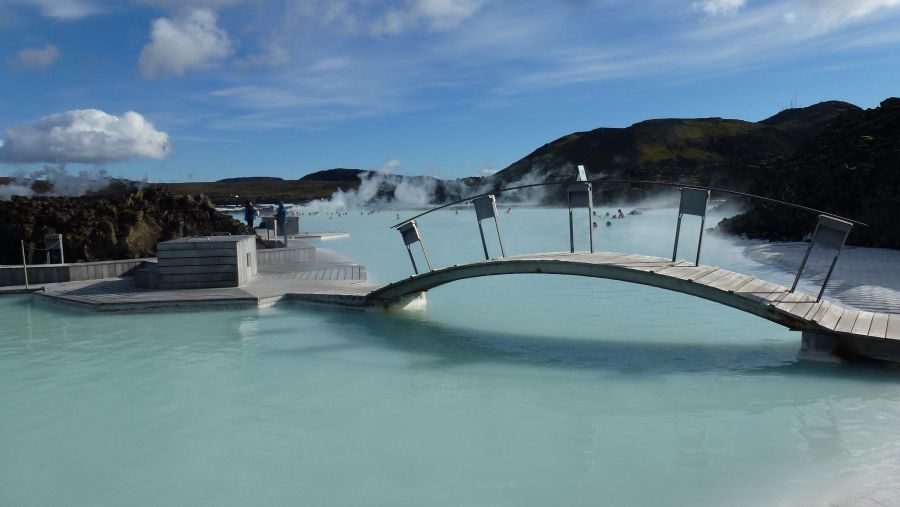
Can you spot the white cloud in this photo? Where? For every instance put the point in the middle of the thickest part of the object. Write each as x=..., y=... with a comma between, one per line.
x=443, y=14
x=719, y=7
x=789, y=22
x=34, y=58
x=435, y=14
x=87, y=136
x=272, y=55
x=189, y=4
x=831, y=13
x=190, y=41
x=63, y=10
x=329, y=64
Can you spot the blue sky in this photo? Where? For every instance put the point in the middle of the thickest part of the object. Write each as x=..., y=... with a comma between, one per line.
x=177, y=90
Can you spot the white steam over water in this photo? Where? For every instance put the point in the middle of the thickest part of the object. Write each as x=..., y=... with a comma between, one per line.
x=64, y=183
x=408, y=193
x=384, y=189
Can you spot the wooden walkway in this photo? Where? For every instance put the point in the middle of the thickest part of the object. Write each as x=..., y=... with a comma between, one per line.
x=745, y=292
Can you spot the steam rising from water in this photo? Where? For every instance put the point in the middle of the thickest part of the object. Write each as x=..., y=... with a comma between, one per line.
x=63, y=182
x=385, y=189
x=407, y=192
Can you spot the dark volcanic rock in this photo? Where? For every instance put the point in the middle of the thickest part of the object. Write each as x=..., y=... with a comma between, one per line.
x=851, y=168
x=124, y=226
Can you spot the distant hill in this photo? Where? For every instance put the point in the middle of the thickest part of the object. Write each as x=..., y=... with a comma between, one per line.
x=708, y=151
x=339, y=174
x=811, y=118
x=249, y=179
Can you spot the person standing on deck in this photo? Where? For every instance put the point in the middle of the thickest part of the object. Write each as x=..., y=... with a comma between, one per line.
x=250, y=213
x=281, y=218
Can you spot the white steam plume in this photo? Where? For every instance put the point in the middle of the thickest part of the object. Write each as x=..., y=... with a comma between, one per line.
x=384, y=189
x=63, y=183
x=408, y=192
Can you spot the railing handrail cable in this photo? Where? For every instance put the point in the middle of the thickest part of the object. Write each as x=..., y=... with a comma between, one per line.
x=639, y=182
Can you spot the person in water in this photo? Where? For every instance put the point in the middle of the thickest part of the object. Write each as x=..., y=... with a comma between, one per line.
x=621, y=215
x=250, y=213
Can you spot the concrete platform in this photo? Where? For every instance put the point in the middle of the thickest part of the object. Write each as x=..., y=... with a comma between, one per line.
x=331, y=279
x=320, y=235
x=323, y=235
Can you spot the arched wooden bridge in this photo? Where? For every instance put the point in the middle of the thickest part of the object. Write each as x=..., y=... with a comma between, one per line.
x=795, y=310
x=828, y=329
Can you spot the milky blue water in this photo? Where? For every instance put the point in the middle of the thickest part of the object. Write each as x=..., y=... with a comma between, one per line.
x=517, y=390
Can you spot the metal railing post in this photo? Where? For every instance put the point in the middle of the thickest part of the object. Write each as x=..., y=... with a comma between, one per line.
x=487, y=256
x=425, y=253
x=700, y=241
x=499, y=237
x=590, y=212
x=486, y=207
x=412, y=259
x=571, y=233
x=579, y=195
x=410, y=234
x=830, y=233
x=802, y=265
x=828, y=275
x=677, y=233
x=693, y=202
x=24, y=263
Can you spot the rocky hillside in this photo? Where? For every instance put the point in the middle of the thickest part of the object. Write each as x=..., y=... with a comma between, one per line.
x=116, y=225
x=703, y=151
x=262, y=189
x=852, y=168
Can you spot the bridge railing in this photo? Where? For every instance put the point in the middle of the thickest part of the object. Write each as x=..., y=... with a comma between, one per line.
x=830, y=232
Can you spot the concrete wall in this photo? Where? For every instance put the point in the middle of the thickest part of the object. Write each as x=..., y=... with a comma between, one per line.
x=51, y=273
x=215, y=261
x=247, y=260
